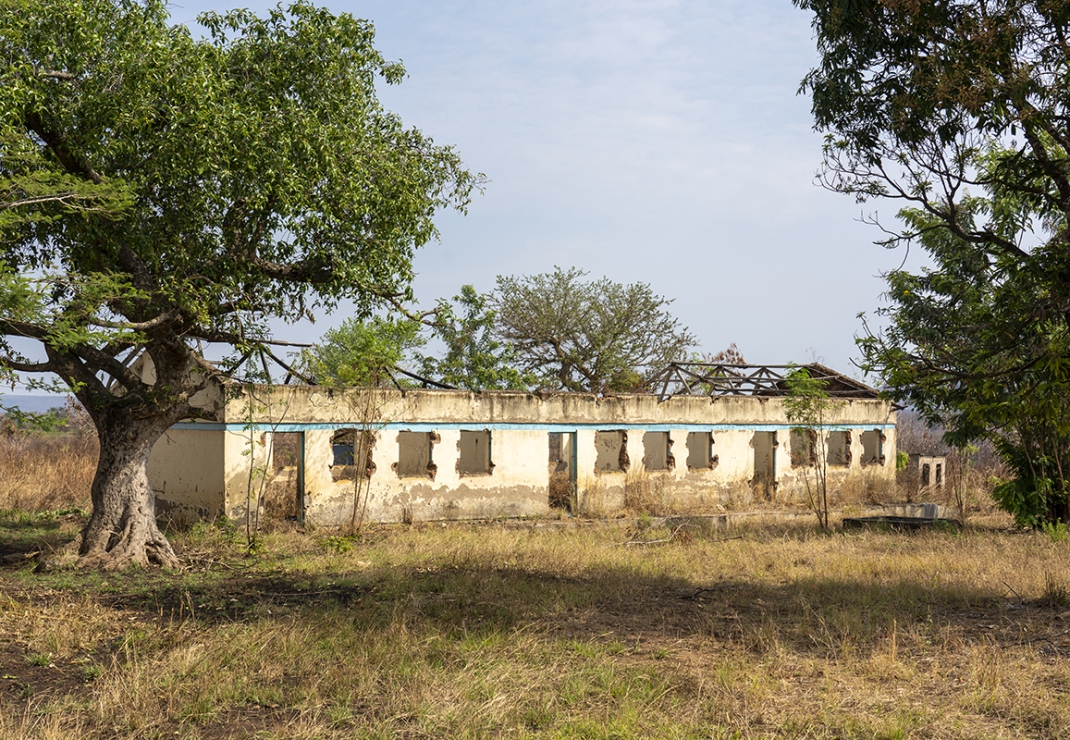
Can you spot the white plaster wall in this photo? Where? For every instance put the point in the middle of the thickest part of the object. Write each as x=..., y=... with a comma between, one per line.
x=303, y=404
x=518, y=483
x=516, y=486
x=735, y=454
x=246, y=468
x=792, y=487
x=678, y=447
x=186, y=473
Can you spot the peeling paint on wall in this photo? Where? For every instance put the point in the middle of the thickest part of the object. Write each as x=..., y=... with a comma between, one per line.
x=444, y=454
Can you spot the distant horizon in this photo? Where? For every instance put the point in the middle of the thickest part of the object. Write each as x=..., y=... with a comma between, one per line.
x=34, y=403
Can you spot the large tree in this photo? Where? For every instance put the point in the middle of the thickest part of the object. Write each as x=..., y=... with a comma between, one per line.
x=473, y=358
x=265, y=180
x=577, y=334
x=961, y=111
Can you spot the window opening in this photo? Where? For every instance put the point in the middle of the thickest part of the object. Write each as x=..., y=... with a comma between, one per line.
x=562, y=469
x=284, y=490
x=415, y=455
x=765, y=445
x=839, y=449
x=611, y=452
x=657, y=451
x=872, y=447
x=700, y=451
x=803, y=448
x=352, y=450
x=474, y=453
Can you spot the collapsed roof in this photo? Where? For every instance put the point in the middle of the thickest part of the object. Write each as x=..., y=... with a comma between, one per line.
x=718, y=379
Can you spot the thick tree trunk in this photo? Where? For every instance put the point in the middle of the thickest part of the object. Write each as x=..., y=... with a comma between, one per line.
x=122, y=530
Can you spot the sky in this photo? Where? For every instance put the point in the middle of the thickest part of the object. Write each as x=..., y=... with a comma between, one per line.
x=661, y=141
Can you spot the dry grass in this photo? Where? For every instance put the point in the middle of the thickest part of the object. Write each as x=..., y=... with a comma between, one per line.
x=40, y=472
x=544, y=629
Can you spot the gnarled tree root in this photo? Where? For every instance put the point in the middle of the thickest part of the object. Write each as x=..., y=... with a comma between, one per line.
x=139, y=543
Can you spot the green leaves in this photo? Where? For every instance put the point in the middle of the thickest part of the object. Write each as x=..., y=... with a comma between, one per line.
x=980, y=344
x=474, y=358
x=360, y=353
x=807, y=403
x=168, y=186
x=587, y=335
x=960, y=108
x=912, y=93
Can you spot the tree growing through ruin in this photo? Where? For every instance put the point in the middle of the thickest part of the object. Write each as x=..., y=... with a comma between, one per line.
x=577, y=334
x=808, y=406
x=361, y=352
x=474, y=358
x=259, y=178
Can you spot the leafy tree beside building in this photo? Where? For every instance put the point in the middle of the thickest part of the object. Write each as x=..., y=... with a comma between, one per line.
x=576, y=334
x=248, y=175
x=960, y=110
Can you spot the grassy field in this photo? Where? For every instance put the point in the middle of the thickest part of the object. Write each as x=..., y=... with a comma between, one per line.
x=559, y=629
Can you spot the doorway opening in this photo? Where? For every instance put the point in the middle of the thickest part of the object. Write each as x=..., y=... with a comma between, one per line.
x=562, y=462
x=764, y=482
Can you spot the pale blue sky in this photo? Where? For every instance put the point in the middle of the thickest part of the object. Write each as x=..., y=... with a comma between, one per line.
x=658, y=140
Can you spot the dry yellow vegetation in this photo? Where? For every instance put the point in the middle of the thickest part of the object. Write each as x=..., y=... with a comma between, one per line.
x=551, y=628
x=46, y=472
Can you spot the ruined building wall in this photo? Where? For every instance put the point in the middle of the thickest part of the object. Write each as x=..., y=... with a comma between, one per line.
x=327, y=457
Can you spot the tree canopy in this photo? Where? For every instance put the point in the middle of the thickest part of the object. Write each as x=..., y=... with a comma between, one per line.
x=960, y=110
x=577, y=334
x=360, y=353
x=473, y=358
x=249, y=175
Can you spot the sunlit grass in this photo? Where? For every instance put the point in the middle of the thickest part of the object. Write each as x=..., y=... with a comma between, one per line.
x=555, y=629
x=42, y=472
x=485, y=630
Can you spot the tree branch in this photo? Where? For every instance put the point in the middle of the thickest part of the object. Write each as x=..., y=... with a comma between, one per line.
x=56, y=74
x=138, y=325
x=1050, y=168
x=101, y=362
x=57, y=142
x=70, y=199
x=27, y=367
x=23, y=329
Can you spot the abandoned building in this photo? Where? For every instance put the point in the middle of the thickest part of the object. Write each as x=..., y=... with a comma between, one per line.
x=924, y=473
x=702, y=437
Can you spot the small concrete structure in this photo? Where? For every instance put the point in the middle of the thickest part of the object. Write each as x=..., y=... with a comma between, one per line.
x=926, y=472
x=332, y=456
x=906, y=517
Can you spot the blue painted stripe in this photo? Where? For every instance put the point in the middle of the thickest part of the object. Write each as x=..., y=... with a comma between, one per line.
x=533, y=427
